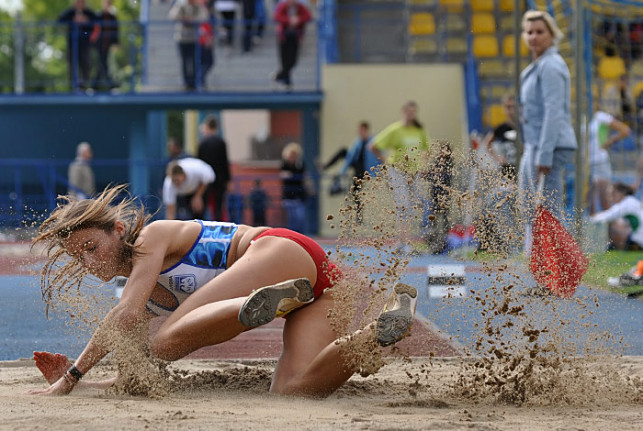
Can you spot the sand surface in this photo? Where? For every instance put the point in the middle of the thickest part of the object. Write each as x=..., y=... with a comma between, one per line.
x=232, y=394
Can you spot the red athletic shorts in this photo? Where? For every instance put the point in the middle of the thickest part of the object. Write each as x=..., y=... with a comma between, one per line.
x=327, y=272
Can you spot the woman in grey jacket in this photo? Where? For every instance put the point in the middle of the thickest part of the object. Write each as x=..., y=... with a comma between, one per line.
x=549, y=139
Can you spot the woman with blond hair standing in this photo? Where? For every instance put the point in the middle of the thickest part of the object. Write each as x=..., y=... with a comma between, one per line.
x=545, y=99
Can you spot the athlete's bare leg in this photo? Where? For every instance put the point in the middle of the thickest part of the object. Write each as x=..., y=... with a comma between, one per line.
x=210, y=315
x=315, y=363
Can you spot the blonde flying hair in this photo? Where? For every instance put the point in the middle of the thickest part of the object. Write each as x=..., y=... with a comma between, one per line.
x=535, y=15
x=61, y=272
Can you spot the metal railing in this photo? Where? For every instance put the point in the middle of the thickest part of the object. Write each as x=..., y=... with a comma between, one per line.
x=47, y=57
x=29, y=190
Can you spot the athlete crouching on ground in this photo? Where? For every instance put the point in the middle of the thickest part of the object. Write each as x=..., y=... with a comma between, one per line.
x=214, y=281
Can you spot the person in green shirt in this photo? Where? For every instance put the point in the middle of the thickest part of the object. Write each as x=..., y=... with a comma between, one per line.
x=404, y=147
x=401, y=138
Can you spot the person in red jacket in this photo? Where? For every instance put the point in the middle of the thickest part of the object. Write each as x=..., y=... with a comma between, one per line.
x=291, y=17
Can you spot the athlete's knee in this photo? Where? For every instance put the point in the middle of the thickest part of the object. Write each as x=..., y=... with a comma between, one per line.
x=163, y=346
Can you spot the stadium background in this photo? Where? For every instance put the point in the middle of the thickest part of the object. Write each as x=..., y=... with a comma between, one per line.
x=360, y=60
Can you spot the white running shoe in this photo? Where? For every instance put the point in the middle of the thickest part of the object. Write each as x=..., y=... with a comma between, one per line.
x=396, y=319
x=265, y=304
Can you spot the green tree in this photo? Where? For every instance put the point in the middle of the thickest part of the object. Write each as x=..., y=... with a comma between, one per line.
x=39, y=10
x=45, y=67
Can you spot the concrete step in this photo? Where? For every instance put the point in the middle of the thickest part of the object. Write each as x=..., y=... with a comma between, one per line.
x=233, y=70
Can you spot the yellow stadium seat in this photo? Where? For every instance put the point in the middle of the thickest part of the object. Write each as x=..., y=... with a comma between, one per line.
x=486, y=92
x=456, y=45
x=611, y=67
x=423, y=46
x=596, y=8
x=422, y=2
x=607, y=85
x=453, y=5
x=565, y=48
x=638, y=88
x=483, y=22
x=482, y=5
x=421, y=23
x=506, y=23
x=494, y=115
x=498, y=91
x=506, y=5
x=636, y=68
x=485, y=45
x=490, y=68
x=455, y=23
x=509, y=46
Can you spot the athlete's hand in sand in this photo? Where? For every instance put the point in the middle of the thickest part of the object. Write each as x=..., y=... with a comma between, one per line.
x=51, y=365
x=60, y=387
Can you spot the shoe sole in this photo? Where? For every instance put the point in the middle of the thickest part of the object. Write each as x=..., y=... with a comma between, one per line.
x=392, y=326
x=262, y=306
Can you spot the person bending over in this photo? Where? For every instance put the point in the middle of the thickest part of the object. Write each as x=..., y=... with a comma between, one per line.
x=625, y=217
x=185, y=184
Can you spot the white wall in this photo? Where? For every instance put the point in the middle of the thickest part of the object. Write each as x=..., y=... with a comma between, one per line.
x=376, y=93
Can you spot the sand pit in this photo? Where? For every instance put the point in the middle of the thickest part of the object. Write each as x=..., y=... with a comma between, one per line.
x=232, y=394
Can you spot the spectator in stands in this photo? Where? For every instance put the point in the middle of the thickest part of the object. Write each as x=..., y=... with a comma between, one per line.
x=105, y=36
x=291, y=17
x=186, y=179
x=214, y=151
x=174, y=148
x=613, y=33
x=206, y=50
x=625, y=217
x=549, y=139
x=636, y=39
x=260, y=20
x=294, y=192
x=439, y=177
x=228, y=11
x=80, y=23
x=80, y=173
x=639, y=177
x=249, y=23
x=361, y=160
x=498, y=203
x=404, y=147
x=501, y=142
x=600, y=139
x=620, y=102
x=189, y=15
x=258, y=201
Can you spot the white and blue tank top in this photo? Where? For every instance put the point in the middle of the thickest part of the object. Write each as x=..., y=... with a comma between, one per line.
x=207, y=258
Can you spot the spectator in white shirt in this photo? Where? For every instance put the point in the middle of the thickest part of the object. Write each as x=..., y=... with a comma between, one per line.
x=625, y=217
x=185, y=183
x=601, y=137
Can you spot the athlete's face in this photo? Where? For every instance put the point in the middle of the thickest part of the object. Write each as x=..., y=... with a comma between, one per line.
x=537, y=37
x=98, y=251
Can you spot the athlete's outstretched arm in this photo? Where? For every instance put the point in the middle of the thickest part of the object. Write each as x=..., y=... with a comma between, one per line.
x=54, y=365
